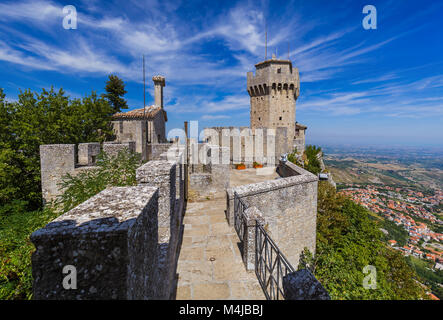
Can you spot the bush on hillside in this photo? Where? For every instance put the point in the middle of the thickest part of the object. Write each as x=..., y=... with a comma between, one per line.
x=347, y=241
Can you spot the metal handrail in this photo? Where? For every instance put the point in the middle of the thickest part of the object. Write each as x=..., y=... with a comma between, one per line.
x=239, y=218
x=270, y=265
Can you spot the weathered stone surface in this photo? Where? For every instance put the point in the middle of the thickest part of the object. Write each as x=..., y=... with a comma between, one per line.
x=113, y=148
x=273, y=91
x=162, y=174
x=87, y=153
x=56, y=160
x=289, y=207
x=252, y=216
x=155, y=150
x=302, y=285
x=110, y=239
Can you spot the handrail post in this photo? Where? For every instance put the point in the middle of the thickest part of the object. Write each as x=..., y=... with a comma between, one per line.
x=252, y=217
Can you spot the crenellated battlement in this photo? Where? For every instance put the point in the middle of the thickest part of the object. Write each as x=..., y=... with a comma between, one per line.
x=273, y=91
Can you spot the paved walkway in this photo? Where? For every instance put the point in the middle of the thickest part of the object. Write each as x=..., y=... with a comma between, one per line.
x=210, y=265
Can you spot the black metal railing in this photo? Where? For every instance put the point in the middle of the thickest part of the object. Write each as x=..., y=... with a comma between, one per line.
x=270, y=265
x=239, y=217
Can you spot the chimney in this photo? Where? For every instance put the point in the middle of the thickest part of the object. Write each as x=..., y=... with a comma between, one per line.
x=159, y=83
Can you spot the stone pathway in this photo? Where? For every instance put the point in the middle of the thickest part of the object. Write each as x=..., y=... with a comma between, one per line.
x=210, y=265
x=207, y=237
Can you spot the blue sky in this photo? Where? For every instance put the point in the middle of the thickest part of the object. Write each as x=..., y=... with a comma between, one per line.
x=358, y=86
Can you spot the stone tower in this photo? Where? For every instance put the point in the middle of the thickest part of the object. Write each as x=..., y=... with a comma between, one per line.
x=273, y=90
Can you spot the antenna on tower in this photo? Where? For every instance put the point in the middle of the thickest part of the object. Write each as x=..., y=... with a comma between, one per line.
x=288, y=51
x=144, y=89
x=266, y=40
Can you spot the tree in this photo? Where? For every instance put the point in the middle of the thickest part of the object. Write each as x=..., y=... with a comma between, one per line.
x=49, y=117
x=308, y=160
x=347, y=241
x=115, y=90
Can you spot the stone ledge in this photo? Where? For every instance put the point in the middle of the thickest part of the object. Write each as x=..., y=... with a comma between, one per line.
x=271, y=185
x=153, y=168
x=113, y=209
x=252, y=214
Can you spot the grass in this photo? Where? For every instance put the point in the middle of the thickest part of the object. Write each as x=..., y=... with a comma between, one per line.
x=16, y=225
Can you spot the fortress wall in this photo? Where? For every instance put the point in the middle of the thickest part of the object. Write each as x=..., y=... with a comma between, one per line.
x=87, y=153
x=56, y=160
x=212, y=175
x=299, y=144
x=244, y=142
x=131, y=131
x=156, y=149
x=110, y=239
x=124, y=242
x=162, y=174
x=113, y=148
x=289, y=208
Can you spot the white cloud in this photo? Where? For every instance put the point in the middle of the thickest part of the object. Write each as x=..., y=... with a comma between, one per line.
x=214, y=117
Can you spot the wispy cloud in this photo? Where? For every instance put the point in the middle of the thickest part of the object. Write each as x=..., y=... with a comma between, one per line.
x=205, y=51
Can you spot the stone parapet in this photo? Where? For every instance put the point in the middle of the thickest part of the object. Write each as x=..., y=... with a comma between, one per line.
x=162, y=174
x=87, y=153
x=110, y=239
x=56, y=160
x=289, y=207
x=112, y=148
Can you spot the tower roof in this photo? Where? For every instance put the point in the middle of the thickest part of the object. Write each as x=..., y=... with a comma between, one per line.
x=273, y=61
x=140, y=114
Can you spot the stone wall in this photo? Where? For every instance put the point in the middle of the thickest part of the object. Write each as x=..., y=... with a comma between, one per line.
x=57, y=160
x=288, y=206
x=110, y=239
x=212, y=175
x=298, y=144
x=162, y=174
x=124, y=242
x=156, y=149
x=134, y=131
x=113, y=148
x=87, y=153
x=247, y=145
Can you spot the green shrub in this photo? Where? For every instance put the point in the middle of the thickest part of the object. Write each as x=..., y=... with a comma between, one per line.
x=347, y=241
x=16, y=225
x=111, y=171
x=310, y=160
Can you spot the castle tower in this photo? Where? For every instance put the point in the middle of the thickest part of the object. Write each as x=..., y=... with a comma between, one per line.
x=159, y=83
x=273, y=91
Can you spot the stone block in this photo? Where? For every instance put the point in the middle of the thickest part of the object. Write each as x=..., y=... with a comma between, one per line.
x=112, y=148
x=110, y=239
x=87, y=153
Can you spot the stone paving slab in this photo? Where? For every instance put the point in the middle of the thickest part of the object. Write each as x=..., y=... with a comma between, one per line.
x=207, y=236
